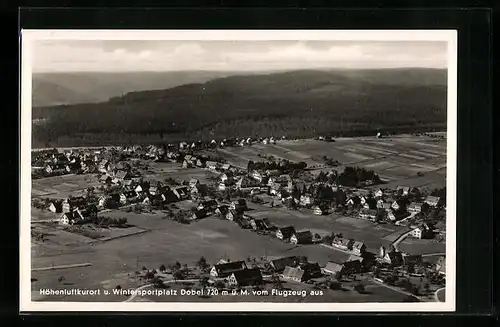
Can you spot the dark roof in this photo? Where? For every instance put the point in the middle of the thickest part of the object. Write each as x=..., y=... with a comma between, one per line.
x=200, y=213
x=281, y=263
x=303, y=234
x=246, y=275
x=287, y=231
x=230, y=267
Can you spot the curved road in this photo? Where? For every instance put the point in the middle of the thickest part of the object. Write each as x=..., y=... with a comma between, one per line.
x=440, y=295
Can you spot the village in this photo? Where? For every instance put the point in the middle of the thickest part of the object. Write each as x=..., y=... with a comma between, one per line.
x=272, y=197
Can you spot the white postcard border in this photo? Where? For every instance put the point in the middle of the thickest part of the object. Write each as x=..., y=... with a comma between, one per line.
x=29, y=36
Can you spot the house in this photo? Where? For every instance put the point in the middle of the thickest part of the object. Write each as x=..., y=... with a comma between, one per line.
x=380, y=204
x=294, y=273
x=348, y=267
x=267, y=224
x=304, y=237
x=285, y=233
x=279, y=265
x=109, y=201
x=312, y=270
x=73, y=203
x=422, y=232
x=333, y=268
x=73, y=167
x=122, y=175
x=441, y=265
x=56, y=206
x=227, y=176
x=128, y=196
x=212, y=165
x=72, y=217
x=302, y=273
x=317, y=210
x=200, y=189
x=193, y=182
x=222, y=210
x=394, y=258
x=403, y=190
x=199, y=163
x=199, y=214
x=103, y=166
x=129, y=184
x=379, y=193
x=239, y=205
x=433, y=201
x=169, y=196
x=228, y=268
x=257, y=224
x=182, y=192
x=342, y=243
x=415, y=207
x=412, y=259
x=245, y=277
x=233, y=215
x=209, y=205
x=353, y=201
x=370, y=203
x=397, y=215
x=226, y=166
x=142, y=187
x=358, y=248
x=368, y=214
x=398, y=205
x=245, y=183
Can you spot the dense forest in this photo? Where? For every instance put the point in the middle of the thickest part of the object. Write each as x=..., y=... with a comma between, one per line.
x=295, y=104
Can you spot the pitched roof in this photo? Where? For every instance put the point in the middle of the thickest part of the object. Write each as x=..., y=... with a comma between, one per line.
x=281, y=263
x=246, y=275
x=358, y=245
x=333, y=267
x=293, y=272
x=287, y=231
x=230, y=267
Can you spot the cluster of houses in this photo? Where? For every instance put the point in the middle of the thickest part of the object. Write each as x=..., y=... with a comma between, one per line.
x=74, y=210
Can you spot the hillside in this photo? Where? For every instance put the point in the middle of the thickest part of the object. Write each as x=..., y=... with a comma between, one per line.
x=300, y=103
x=50, y=89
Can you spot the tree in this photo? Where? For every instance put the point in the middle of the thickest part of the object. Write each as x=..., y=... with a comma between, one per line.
x=163, y=268
x=277, y=282
x=339, y=276
x=335, y=285
x=203, y=282
x=178, y=275
x=360, y=288
x=202, y=263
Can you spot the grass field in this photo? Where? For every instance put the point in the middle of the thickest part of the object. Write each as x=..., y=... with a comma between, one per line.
x=60, y=187
x=416, y=246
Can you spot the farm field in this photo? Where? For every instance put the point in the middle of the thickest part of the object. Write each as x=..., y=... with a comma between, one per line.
x=416, y=246
x=60, y=187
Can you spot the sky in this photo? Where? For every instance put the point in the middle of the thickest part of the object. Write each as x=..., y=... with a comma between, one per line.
x=134, y=55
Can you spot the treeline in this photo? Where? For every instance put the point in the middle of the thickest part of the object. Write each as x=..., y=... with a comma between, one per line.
x=282, y=165
x=351, y=176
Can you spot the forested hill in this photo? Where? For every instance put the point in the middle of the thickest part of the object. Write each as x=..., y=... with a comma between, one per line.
x=295, y=103
x=50, y=89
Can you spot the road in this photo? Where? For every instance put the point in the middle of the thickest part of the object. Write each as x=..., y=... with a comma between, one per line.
x=434, y=254
x=398, y=290
x=399, y=240
x=77, y=265
x=440, y=295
